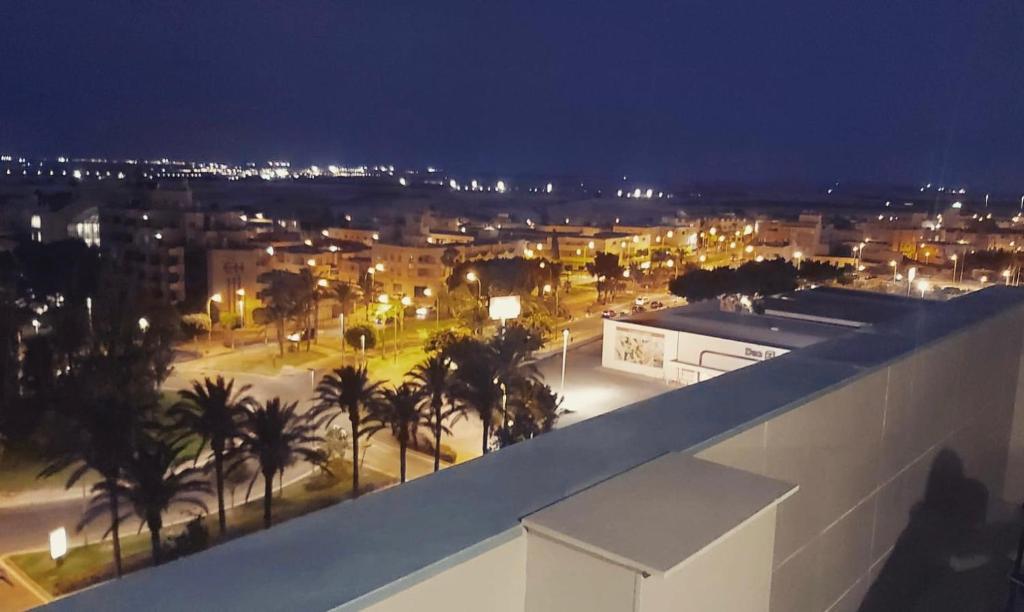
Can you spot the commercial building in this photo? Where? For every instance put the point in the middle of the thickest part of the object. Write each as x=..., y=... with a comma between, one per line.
x=697, y=342
x=785, y=486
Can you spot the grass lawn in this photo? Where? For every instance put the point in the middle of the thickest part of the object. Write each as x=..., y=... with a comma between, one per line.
x=87, y=565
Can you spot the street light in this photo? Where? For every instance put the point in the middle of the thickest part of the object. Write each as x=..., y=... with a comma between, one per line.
x=911, y=274
x=798, y=256
x=143, y=324
x=895, y=269
x=923, y=286
x=565, y=351
x=1006, y=276
x=216, y=297
x=36, y=325
x=241, y=306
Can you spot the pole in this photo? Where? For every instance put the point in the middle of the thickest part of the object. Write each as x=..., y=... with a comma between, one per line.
x=209, y=315
x=341, y=335
x=396, y=337
x=362, y=346
x=565, y=350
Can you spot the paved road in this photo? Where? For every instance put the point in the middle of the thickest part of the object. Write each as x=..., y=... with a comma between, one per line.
x=588, y=391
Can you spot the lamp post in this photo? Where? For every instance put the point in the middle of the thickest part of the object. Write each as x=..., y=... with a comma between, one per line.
x=428, y=292
x=895, y=268
x=474, y=277
x=953, y=257
x=798, y=256
x=565, y=351
x=341, y=334
x=143, y=324
x=241, y=306
x=911, y=275
x=216, y=297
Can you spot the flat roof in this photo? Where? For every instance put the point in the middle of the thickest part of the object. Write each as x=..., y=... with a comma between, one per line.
x=351, y=554
x=707, y=319
x=842, y=306
x=678, y=506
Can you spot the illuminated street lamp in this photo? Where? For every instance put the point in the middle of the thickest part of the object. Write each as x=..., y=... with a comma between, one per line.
x=1006, y=276
x=143, y=324
x=565, y=351
x=923, y=286
x=798, y=256
x=953, y=258
x=241, y=306
x=216, y=297
x=911, y=275
x=36, y=325
x=428, y=292
x=895, y=269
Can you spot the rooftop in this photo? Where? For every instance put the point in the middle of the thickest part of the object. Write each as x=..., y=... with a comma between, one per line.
x=354, y=553
x=841, y=306
x=706, y=318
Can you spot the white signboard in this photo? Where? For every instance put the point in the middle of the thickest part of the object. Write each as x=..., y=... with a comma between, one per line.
x=505, y=307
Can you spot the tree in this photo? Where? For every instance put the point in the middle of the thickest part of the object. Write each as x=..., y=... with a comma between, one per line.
x=399, y=409
x=698, y=285
x=607, y=270
x=433, y=378
x=533, y=409
x=478, y=389
x=281, y=297
x=152, y=483
x=346, y=296
x=357, y=335
x=212, y=411
x=348, y=391
x=275, y=435
x=100, y=440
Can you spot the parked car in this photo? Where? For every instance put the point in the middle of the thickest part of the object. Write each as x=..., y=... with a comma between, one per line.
x=655, y=305
x=640, y=301
x=638, y=309
x=609, y=314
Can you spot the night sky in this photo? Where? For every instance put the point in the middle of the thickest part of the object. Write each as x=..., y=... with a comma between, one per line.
x=808, y=90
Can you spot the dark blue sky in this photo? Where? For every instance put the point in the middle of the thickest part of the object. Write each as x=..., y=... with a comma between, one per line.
x=890, y=90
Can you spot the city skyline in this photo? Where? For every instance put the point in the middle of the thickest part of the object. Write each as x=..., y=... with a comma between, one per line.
x=702, y=92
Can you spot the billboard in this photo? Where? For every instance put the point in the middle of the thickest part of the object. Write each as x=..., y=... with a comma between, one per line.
x=505, y=307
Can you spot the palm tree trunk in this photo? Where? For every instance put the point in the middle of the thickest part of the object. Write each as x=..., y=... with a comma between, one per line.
x=154, y=543
x=486, y=428
x=280, y=336
x=115, y=524
x=355, y=453
x=268, y=495
x=437, y=438
x=401, y=460
x=218, y=467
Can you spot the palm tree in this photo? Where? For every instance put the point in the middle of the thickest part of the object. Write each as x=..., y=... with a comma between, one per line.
x=345, y=294
x=433, y=377
x=478, y=388
x=152, y=483
x=533, y=409
x=212, y=410
x=276, y=436
x=348, y=390
x=100, y=440
x=400, y=410
x=280, y=297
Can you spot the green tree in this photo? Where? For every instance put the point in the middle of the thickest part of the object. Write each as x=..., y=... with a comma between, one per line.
x=275, y=435
x=345, y=294
x=399, y=410
x=101, y=440
x=348, y=390
x=153, y=481
x=533, y=409
x=477, y=389
x=212, y=410
x=356, y=335
x=605, y=267
x=282, y=301
x=433, y=377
